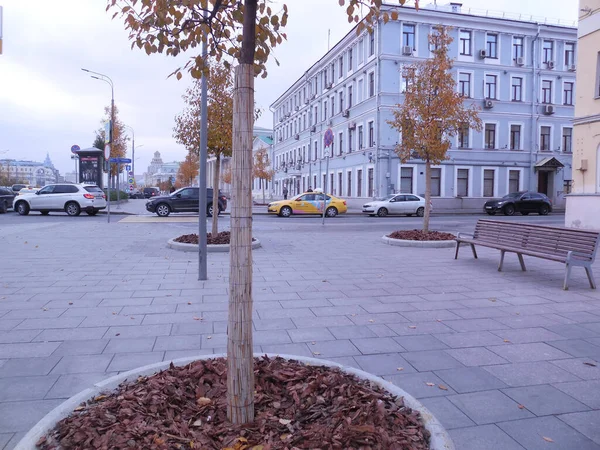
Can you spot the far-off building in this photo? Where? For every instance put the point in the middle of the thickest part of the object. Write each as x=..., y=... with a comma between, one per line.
x=583, y=205
x=519, y=70
x=30, y=172
x=160, y=172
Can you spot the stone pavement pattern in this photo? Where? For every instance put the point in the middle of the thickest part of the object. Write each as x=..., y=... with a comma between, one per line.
x=499, y=358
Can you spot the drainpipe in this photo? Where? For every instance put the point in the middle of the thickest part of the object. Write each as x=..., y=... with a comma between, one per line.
x=377, y=106
x=534, y=118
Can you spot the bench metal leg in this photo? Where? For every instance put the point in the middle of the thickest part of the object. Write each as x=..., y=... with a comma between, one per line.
x=474, y=251
x=567, y=275
x=457, y=247
x=501, y=260
x=590, y=275
x=522, y=262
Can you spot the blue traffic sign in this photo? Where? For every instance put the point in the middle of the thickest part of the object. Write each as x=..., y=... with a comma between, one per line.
x=120, y=160
x=75, y=148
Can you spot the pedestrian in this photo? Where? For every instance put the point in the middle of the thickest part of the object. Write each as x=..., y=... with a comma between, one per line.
x=309, y=189
x=285, y=193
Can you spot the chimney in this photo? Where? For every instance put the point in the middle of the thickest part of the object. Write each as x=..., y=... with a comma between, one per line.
x=455, y=7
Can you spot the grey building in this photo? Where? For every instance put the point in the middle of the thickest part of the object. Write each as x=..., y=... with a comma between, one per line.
x=519, y=70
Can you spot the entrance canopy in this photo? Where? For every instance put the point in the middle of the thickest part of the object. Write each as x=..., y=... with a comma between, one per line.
x=549, y=164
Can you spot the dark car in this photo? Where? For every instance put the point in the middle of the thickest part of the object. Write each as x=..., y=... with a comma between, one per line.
x=136, y=193
x=523, y=202
x=6, y=199
x=150, y=192
x=184, y=200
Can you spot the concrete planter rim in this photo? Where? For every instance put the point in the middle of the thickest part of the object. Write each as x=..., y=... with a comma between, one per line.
x=183, y=247
x=440, y=439
x=425, y=244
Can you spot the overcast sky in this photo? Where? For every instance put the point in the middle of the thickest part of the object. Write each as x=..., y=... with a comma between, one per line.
x=47, y=103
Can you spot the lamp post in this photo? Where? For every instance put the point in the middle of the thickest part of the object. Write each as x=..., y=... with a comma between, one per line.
x=325, y=184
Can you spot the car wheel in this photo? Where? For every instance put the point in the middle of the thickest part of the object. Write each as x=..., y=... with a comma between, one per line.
x=22, y=208
x=92, y=212
x=3, y=207
x=44, y=213
x=544, y=210
x=509, y=210
x=286, y=211
x=382, y=212
x=421, y=212
x=525, y=213
x=331, y=211
x=209, y=210
x=72, y=209
x=163, y=210
x=491, y=213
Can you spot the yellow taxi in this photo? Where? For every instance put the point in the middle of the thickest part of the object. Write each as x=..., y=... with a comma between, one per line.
x=308, y=203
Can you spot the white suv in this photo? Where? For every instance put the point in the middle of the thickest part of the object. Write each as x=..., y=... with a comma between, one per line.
x=70, y=198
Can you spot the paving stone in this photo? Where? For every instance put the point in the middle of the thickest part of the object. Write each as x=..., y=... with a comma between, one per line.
x=469, y=379
x=41, y=313
x=572, y=331
x=25, y=388
x=82, y=364
x=27, y=350
x=21, y=416
x=526, y=321
x=341, y=347
x=81, y=334
x=352, y=331
x=171, y=355
x=431, y=360
x=348, y=361
x=288, y=349
x=271, y=337
x=433, y=315
x=483, y=437
x=294, y=313
x=587, y=392
x=538, y=351
x=580, y=316
x=330, y=321
x=377, y=318
x=584, y=422
x=195, y=328
x=273, y=324
x=530, y=373
x=479, y=313
x=89, y=347
x=418, y=384
x=60, y=322
x=129, y=361
x=423, y=342
x=70, y=384
x=416, y=328
x=28, y=366
x=489, y=407
x=311, y=334
x=164, y=343
x=111, y=321
x=97, y=311
x=595, y=327
x=337, y=310
x=133, y=345
x=475, y=356
x=384, y=364
x=530, y=434
x=447, y=413
x=471, y=339
x=466, y=325
x=544, y=400
x=214, y=340
x=584, y=368
x=527, y=335
x=380, y=330
x=16, y=336
x=4, y=439
x=577, y=347
x=116, y=302
x=377, y=345
x=139, y=331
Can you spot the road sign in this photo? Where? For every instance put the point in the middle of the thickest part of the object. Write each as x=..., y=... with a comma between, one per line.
x=75, y=148
x=130, y=174
x=128, y=168
x=130, y=181
x=328, y=137
x=131, y=187
x=106, y=151
x=120, y=160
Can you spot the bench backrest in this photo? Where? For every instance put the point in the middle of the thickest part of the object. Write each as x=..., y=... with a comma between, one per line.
x=538, y=238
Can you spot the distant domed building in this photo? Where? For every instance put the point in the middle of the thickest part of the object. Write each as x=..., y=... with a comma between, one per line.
x=30, y=172
x=159, y=171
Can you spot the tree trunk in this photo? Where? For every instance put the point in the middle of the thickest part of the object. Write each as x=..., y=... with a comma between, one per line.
x=215, y=199
x=427, y=195
x=263, y=182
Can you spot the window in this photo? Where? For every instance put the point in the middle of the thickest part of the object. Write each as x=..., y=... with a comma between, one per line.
x=491, y=45
x=515, y=137
x=325, y=78
x=567, y=140
x=545, y=138
x=371, y=43
x=341, y=74
x=436, y=182
x=361, y=143
x=546, y=91
x=490, y=135
x=349, y=184
x=361, y=50
x=341, y=97
x=341, y=141
x=316, y=147
x=514, y=177
x=361, y=91
x=332, y=100
x=567, y=185
x=316, y=115
x=463, y=136
x=517, y=89
x=371, y=135
x=488, y=182
x=490, y=86
x=350, y=140
x=371, y=84
x=331, y=185
x=349, y=96
x=569, y=53
x=325, y=110
x=350, y=61
x=568, y=93
x=464, y=42
x=408, y=36
x=406, y=179
x=370, y=183
x=597, y=93
x=359, y=183
x=462, y=182
x=517, y=47
x=547, y=51
x=332, y=72
x=464, y=84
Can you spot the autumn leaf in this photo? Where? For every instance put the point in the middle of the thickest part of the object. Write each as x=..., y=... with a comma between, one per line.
x=399, y=369
x=285, y=421
x=590, y=364
x=442, y=387
x=412, y=327
x=203, y=401
x=521, y=406
x=430, y=384
x=547, y=439
x=316, y=353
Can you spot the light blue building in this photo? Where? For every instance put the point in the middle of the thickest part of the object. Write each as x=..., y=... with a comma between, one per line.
x=520, y=71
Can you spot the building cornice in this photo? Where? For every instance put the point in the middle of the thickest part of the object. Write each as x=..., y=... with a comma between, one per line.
x=586, y=119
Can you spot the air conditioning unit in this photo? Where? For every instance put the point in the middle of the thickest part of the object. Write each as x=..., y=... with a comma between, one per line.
x=488, y=104
x=572, y=67
x=313, y=128
x=352, y=126
x=328, y=85
x=483, y=53
x=298, y=166
x=297, y=108
x=520, y=61
x=548, y=109
x=297, y=137
x=407, y=50
x=280, y=139
x=550, y=65
x=346, y=113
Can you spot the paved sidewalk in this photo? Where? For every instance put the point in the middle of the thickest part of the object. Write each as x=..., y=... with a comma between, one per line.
x=504, y=360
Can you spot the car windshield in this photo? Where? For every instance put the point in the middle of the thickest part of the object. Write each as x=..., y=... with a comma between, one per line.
x=387, y=197
x=513, y=195
x=178, y=191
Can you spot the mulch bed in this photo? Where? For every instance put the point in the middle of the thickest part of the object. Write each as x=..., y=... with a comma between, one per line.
x=221, y=238
x=297, y=407
x=420, y=235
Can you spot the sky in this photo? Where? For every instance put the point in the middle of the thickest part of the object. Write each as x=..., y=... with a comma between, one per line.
x=47, y=104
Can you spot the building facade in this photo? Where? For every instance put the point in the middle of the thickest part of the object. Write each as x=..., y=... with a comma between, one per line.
x=29, y=172
x=160, y=172
x=521, y=73
x=583, y=205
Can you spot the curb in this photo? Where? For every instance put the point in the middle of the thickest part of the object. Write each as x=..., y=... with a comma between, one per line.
x=440, y=439
x=212, y=248
x=422, y=244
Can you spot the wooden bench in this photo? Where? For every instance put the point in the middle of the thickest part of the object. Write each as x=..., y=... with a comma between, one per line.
x=570, y=246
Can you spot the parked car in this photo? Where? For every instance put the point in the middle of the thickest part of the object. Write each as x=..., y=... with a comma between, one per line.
x=136, y=193
x=150, y=192
x=17, y=187
x=28, y=190
x=70, y=198
x=6, y=199
x=185, y=200
x=408, y=204
x=308, y=203
x=523, y=202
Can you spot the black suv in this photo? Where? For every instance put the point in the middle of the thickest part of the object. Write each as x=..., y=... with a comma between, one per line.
x=6, y=199
x=184, y=200
x=523, y=202
x=150, y=192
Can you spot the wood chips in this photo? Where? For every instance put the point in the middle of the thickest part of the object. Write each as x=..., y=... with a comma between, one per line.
x=420, y=235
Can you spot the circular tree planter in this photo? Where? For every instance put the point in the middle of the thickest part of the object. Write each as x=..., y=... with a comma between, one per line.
x=186, y=247
x=419, y=241
x=439, y=438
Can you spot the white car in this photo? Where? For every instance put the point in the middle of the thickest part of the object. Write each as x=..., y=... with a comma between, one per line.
x=408, y=204
x=70, y=198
